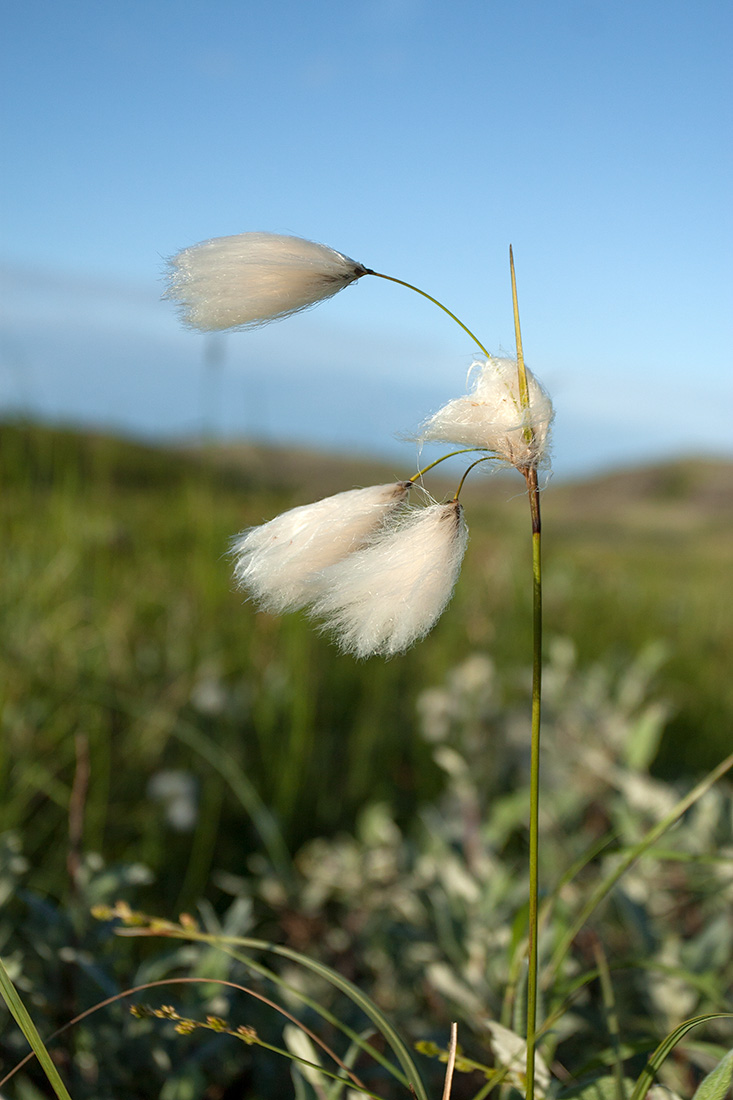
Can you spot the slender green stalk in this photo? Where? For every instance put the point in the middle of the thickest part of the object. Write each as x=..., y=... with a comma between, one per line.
x=533, y=492
x=435, y=301
x=534, y=789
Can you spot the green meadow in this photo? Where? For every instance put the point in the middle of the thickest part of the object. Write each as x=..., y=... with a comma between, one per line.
x=123, y=639
x=126, y=656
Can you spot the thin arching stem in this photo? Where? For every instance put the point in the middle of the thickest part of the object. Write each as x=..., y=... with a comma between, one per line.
x=435, y=301
x=486, y=458
x=425, y=469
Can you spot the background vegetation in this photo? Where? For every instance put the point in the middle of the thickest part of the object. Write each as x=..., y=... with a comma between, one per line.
x=151, y=718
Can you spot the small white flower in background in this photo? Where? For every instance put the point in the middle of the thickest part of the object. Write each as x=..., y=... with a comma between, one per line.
x=253, y=278
x=444, y=979
x=176, y=791
x=510, y=1050
x=491, y=418
x=386, y=596
x=208, y=694
x=281, y=562
x=300, y=1044
x=661, y=1092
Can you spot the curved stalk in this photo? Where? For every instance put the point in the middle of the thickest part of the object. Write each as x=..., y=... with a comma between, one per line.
x=486, y=458
x=425, y=469
x=458, y=321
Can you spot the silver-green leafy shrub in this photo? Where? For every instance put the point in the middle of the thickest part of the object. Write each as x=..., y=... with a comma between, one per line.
x=432, y=923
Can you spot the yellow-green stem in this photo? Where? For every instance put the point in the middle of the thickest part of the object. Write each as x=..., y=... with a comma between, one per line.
x=458, y=321
x=486, y=458
x=424, y=470
x=534, y=795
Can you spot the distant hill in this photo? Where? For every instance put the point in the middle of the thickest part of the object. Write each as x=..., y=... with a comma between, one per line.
x=689, y=491
x=686, y=490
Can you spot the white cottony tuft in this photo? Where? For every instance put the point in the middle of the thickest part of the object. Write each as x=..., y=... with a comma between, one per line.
x=384, y=597
x=491, y=418
x=280, y=562
x=252, y=278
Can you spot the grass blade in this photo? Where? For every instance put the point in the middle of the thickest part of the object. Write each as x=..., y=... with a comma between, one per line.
x=667, y=1045
x=244, y=791
x=360, y=999
x=26, y=1025
x=604, y=888
x=138, y=925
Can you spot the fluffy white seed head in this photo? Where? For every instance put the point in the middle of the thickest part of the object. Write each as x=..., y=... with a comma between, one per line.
x=490, y=416
x=280, y=563
x=252, y=278
x=384, y=597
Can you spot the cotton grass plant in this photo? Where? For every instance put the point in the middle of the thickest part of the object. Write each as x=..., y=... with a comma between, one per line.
x=384, y=585
x=381, y=594
x=376, y=568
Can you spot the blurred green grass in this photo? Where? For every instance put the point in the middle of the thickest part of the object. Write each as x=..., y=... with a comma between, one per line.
x=120, y=627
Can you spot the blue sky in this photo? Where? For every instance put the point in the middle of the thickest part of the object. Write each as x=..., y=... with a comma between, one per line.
x=419, y=136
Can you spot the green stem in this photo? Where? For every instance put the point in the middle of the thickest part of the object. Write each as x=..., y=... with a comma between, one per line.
x=533, y=492
x=486, y=458
x=435, y=301
x=534, y=795
x=419, y=474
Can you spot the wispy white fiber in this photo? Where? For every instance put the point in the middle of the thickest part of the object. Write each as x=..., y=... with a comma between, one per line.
x=252, y=278
x=382, y=598
x=490, y=417
x=280, y=563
